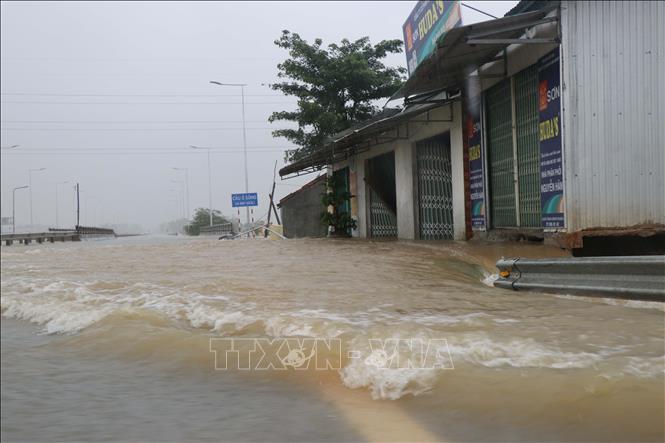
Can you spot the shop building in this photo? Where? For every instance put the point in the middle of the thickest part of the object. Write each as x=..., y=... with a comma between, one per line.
x=545, y=123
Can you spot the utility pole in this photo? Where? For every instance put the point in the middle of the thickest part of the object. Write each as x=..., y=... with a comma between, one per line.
x=182, y=195
x=57, y=224
x=244, y=134
x=209, y=181
x=14, y=207
x=186, y=187
x=78, y=206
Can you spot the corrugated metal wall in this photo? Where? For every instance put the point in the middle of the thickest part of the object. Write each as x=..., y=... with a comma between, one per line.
x=613, y=56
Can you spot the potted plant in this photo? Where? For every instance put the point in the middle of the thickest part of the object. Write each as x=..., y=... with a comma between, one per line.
x=334, y=216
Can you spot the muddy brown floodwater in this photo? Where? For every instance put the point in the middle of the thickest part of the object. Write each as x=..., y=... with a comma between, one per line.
x=111, y=340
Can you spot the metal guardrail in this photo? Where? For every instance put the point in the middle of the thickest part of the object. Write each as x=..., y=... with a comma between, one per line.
x=39, y=237
x=225, y=228
x=636, y=277
x=91, y=230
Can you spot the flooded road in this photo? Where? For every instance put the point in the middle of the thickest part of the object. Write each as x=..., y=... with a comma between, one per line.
x=111, y=340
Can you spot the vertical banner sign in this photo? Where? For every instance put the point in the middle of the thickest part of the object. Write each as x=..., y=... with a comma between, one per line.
x=549, y=130
x=473, y=136
x=428, y=21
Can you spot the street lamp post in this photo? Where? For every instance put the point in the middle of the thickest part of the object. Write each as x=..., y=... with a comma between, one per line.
x=209, y=182
x=30, y=171
x=244, y=133
x=182, y=195
x=14, y=207
x=57, y=224
x=186, y=186
x=180, y=200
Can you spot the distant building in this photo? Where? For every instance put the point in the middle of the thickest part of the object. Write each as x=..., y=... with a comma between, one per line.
x=545, y=123
x=301, y=211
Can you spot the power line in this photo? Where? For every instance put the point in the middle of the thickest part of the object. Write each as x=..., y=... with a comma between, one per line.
x=186, y=152
x=130, y=149
x=142, y=59
x=131, y=121
x=478, y=10
x=132, y=129
x=53, y=94
x=150, y=149
x=140, y=103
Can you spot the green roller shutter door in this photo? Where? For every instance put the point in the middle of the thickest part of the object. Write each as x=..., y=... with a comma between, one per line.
x=528, y=147
x=500, y=155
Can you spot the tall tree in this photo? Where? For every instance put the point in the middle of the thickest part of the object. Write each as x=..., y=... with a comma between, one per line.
x=335, y=86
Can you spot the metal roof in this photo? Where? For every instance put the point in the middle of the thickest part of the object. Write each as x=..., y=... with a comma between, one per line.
x=347, y=143
x=464, y=49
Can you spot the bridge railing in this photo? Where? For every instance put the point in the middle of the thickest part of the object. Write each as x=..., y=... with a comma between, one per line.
x=90, y=230
x=221, y=229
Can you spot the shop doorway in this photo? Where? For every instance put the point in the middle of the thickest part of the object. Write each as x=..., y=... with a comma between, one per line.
x=382, y=196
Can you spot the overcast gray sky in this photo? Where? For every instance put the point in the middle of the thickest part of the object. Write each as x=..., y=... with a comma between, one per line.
x=111, y=94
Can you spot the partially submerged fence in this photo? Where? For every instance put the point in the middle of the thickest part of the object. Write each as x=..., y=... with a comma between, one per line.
x=220, y=229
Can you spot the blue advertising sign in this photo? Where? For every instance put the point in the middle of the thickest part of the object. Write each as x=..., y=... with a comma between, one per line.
x=242, y=200
x=549, y=131
x=428, y=21
x=473, y=135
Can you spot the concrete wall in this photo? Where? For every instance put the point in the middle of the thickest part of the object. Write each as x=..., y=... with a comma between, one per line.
x=301, y=212
x=407, y=224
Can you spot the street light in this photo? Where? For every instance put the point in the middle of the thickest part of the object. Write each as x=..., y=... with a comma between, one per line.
x=10, y=147
x=14, y=207
x=182, y=190
x=57, y=224
x=86, y=214
x=209, y=181
x=30, y=171
x=180, y=200
x=186, y=185
x=244, y=132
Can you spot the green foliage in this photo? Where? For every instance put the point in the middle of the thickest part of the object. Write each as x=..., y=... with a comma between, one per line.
x=332, y=199
x=202, y=218
x=335, y=86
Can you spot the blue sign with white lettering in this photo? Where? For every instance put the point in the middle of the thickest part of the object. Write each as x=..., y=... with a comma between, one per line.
x=242, y=200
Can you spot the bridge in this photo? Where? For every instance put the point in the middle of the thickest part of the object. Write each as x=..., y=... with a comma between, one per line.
x=54, y=235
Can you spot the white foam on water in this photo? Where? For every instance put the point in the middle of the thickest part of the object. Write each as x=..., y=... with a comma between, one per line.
x=238, y=319
x=519, y=353
x=387, y=383
x=489, y=279
x=646, y=367
x=396, y=369
x=56, y=317
x=471, y=319
x=71, y=306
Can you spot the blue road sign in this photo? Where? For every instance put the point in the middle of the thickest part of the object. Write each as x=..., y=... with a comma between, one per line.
x=242, y=200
